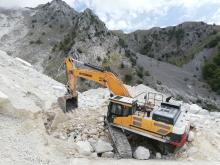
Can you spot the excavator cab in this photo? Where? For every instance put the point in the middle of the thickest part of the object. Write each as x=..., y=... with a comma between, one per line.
x=120, y=106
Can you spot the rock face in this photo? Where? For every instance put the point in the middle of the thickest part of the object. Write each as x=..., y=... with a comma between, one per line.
x=25, y=94
x=102, y=146
x=51, y=31
x=141, y=153
x=167, y=43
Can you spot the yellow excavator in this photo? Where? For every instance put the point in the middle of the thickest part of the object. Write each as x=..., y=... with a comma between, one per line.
x=166, y=123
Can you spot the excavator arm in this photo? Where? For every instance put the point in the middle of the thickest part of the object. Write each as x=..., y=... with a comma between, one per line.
x=105, y=78
x=96, y=74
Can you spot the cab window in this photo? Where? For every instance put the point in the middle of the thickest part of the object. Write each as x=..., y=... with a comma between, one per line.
x=120, y=110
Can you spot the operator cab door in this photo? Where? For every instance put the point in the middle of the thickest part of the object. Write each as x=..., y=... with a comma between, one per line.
x=119, y=110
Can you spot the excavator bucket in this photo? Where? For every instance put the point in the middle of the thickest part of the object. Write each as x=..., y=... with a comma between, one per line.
x=68, y=103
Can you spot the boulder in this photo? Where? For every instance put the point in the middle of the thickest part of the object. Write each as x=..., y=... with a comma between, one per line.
x=141, y=153
x=203, y=112
x=194, y=109
x=102, y=146
x=108, y=155
x=158, y=155
x=191, y=136
x=92, y=142
x=84, y=148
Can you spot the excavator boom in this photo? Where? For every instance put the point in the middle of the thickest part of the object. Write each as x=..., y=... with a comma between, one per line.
x=96, y=74
x=106, y=79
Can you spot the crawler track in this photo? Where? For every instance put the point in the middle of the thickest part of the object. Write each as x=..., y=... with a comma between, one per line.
x=120, y=142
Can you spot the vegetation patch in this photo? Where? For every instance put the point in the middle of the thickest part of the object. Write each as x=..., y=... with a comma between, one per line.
x=122, y=43
x=211, y=73
x=145, y=50
x=195, y=49
x=127, y=78
x=66, y=44
x=176, y=33
x=111, y=60
x=213, y=43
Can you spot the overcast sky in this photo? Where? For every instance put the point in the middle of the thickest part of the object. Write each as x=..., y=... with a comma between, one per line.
x=130, y=15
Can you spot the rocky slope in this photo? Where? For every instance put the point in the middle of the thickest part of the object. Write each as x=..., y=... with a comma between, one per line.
x=172, y=59
x=46, y=34
x=171, y=44
x=28, y=109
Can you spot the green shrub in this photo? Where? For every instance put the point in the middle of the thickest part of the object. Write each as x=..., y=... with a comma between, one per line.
x=208, y=71
x=139, y=81
x=140, y=74
x=128, y=78
x=121, y=42
x=34, y=21
x=38, y=41
x=177, y=33
x=147, y=73
x=186, y=79
x=141, y=69
x=133, y=61
x=122, y=65
x=67, y=43
x=213, y=42
x=214, y=81
x=198, y=101
x=216, y=60
x=31, y=42
x=99, y=59
x=147, y=47
x=211, y=73
x=79, y=50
